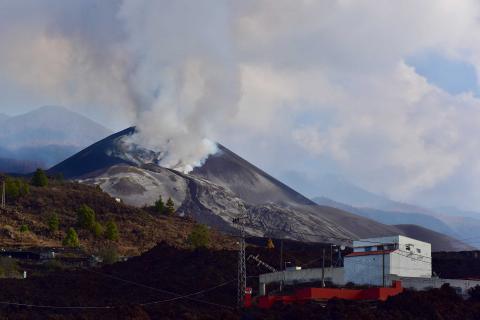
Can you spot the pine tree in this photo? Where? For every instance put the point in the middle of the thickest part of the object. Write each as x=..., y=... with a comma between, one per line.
x=53, y=222
x=71, y=240
x=170, y=207
x=111, y=231
x=159, y=205
x=39, y=178
x=86, y=218
x=15, y=188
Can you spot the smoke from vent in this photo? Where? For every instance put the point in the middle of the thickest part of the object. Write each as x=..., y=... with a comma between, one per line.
x=165, y=66
x=313, y=86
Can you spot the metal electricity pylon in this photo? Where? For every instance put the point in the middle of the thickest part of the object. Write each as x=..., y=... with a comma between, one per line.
x=242, y=267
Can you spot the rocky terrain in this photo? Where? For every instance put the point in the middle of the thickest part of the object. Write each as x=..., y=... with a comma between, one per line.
x=223, y=187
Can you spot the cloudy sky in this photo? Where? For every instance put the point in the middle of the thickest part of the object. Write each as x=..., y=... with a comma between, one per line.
x=384, y=93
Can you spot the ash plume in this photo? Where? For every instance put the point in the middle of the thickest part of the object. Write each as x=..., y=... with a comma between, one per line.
x=166, y=67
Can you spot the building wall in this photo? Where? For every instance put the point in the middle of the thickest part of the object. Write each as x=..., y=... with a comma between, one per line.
x=415, y=246
x=366, y=269
x=461, y=285
x=407, y=264
x=410, y=258
x=335, y=275
x=401, y=242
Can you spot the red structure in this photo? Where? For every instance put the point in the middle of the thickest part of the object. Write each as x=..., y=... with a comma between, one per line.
x=248, y=297
x=306, y=294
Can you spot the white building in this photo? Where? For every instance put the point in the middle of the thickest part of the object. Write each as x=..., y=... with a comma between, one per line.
x=396, y=255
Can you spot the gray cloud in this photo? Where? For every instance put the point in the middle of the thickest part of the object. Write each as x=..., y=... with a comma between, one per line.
x=274, y=80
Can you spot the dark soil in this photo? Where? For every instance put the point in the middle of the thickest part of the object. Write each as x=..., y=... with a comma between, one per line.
x=165, y=272
x=457, y=265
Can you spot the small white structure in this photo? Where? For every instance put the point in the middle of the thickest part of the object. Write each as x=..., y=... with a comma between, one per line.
x=374, y=259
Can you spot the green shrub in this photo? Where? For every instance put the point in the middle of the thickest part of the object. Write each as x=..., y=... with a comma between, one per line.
x=53, y=222
x=24, y=228
x=86, y=217
x=199, y=237
x=71, y=239
x=39, y=178
x=97, y=229
x=15, y=188
x=111, y=231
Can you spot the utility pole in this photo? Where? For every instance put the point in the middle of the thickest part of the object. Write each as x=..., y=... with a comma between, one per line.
x=3, y=194
x=281, y=262
x=323, y=267
x=242, y=267
x=383, y=267
x=281, y=254
x=331, y=257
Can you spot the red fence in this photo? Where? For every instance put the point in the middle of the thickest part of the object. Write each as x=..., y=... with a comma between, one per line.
x=305, y=294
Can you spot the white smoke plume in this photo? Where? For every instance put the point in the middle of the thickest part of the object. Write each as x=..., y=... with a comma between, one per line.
x=167, y=66
x=313, y=86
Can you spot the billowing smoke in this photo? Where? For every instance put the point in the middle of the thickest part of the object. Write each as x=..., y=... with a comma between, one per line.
x=311, y=86
x=166, y=66
x=183, y=81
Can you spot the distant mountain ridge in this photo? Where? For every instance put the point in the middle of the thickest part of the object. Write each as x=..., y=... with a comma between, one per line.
x=340, y=189
x=393, y=217
x=454, y=226
x=46, y=135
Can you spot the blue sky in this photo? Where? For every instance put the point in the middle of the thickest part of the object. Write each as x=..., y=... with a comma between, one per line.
x=453, y=76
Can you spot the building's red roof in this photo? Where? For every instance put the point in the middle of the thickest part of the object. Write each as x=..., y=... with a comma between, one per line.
x=369, y=253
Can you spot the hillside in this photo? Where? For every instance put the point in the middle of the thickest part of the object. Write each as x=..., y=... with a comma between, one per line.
x=139, y=229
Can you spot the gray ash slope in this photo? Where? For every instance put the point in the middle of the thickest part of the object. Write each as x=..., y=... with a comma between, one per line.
x=223, y=187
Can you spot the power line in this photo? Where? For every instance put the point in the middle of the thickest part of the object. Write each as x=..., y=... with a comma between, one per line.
x=55, y=307
x=188, y=296
x=193, y=294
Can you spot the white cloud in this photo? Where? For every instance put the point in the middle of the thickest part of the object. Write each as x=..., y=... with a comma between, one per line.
x=277, y=80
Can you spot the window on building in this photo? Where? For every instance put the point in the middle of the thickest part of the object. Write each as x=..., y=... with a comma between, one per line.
x=408, y=247
x=419, y=250
x=367, y=249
